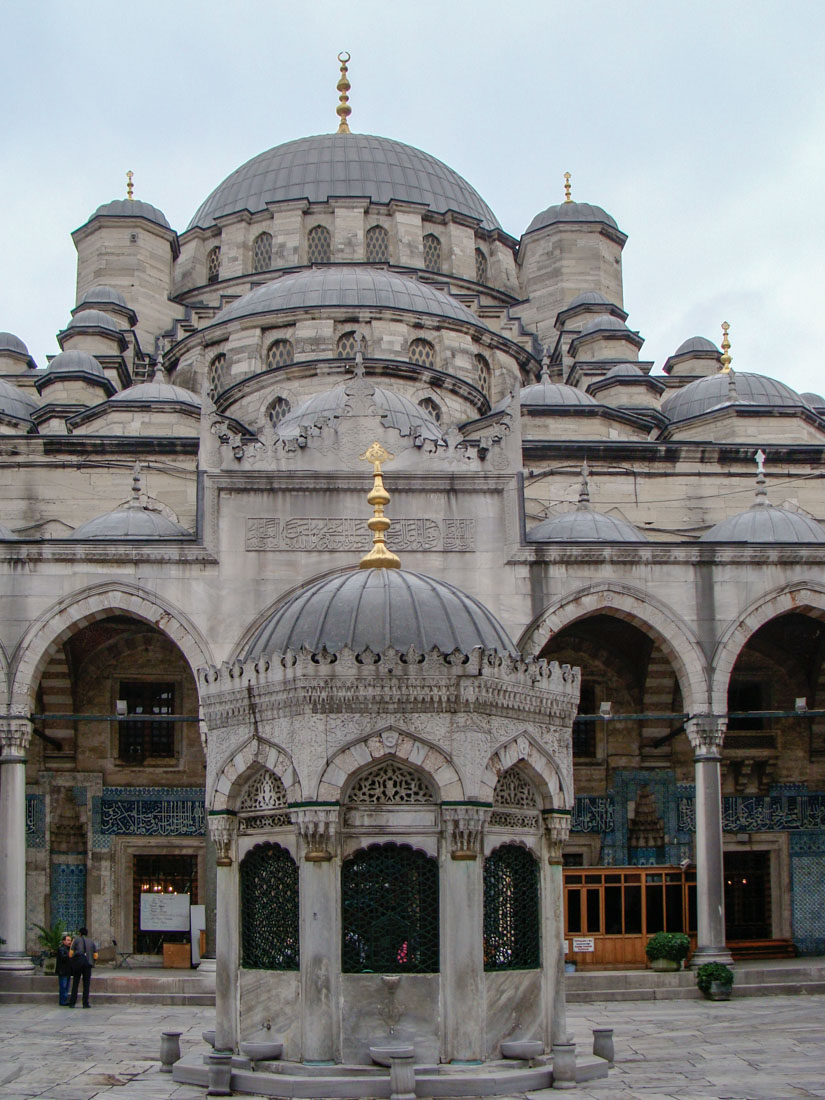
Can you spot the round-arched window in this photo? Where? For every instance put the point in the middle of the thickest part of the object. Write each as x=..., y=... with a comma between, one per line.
x=269, y=909
x=431, y=408
x=348, y=345
x=422, y=353
x=280, y=353
x=277, y=410
x=213, y=264
x=511, y=910
x=484, y=375
x=262, y=252
x=319, y=245
x=481, y=266
x=216, y=377
x=389, y=911
x=378, y=245
x=432, y=252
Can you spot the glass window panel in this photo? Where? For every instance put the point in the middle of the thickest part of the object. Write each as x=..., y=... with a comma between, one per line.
x=594, y=914
x=654, y=909
x=574, y=911
x=613, y=910
x=632, y=910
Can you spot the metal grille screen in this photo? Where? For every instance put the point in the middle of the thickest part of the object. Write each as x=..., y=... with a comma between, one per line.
x=511, y=910
x=269, y=909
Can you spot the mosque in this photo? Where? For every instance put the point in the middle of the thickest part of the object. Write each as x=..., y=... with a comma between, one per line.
x=590, y=703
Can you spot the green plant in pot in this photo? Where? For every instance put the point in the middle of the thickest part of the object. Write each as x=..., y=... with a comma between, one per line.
x=667, y=950
x=50, y=939
x=715, y=980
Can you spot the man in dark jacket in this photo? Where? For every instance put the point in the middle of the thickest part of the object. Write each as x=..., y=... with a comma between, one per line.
x=64, y=969
x=84, y=953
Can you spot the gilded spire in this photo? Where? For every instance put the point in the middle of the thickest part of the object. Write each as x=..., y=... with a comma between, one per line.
x=379, y=557
x=567, y=189
x=130, y=187
x=343, y=110
x=725, y=347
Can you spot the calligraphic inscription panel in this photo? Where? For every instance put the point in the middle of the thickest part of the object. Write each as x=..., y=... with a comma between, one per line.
x=329, y=533
x=151, y=812
x=761, y=813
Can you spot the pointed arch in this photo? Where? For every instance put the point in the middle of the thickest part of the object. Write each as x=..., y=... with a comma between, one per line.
x=389, y=743
x=555, y=790
x=239, y=768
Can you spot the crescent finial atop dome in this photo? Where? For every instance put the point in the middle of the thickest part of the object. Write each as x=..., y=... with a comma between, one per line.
x=343, y=110
x=379, y=557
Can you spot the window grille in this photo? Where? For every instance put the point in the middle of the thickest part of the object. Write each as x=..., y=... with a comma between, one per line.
x=431, y=408
x=378, y=245
x=511, y=910
x=216, y=377
x=319, y=245
x=263, y=804
x=278, y=409
x=262, y=252
x=484, y=375
x=481, y=266
x=515, y=802
x=389, y=918
x=391, y=784
x=269, y=909
x=137, y=740
x=213, y=264
x=432, y=252
x=422, y=353
x=280, y=353
x=347, y=346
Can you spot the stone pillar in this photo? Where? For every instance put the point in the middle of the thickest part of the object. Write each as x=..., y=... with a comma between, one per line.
x=15, y=735
x=462, y=934
x=706, y=735
x=556, y=831
x=320, y=924
x=223, y=829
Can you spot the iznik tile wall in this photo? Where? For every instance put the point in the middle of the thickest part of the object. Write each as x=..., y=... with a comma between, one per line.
x=68, y=894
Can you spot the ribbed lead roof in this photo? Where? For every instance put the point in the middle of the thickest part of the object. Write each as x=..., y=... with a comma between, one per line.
x=714, y=391
x=396, y=411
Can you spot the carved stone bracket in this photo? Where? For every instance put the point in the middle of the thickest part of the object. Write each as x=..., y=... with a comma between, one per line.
x=223, y=829
x=464, y=829
x=556, y=831
x=15, y=735
x=706, y=733
x=317, y=827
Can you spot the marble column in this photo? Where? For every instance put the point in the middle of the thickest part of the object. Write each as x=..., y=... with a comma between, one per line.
x=320, y=924
x=706, y=734
x=15, y=735
x=556, y=831
x=223, y=830
x=462, y=934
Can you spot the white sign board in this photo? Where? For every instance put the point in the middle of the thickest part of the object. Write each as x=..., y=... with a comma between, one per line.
x=586, y=943
x=164, y=912
x=197, y=917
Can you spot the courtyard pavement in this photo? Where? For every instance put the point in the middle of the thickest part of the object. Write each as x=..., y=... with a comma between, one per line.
x=759, y=1048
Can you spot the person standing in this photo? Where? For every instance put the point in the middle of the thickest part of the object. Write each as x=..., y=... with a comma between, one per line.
x=84, y=953
x=64, y=968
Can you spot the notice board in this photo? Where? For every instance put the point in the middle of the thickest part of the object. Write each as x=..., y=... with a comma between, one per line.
x=164, y=912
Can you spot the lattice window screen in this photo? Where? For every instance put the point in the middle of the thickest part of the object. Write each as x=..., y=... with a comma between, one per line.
x=278, y=409
x=263, y=804
x=319, y=245
x=262, y=252
x=378, y=245
x=511, y=910
x=515, y=802
x=390, y=784
x=269, y=909
x=347, y=345
x=432, y=408
x=422, y=353
x=481, y=266
x=213, y=264
x=484, y=375
x=432, y=252
x=280, y=353
x=216, y=377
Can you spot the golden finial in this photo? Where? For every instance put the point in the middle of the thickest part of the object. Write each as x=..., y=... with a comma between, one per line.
x=725, y=348
x=343, y=110
x=379, y=557
x=130, y=187
x=567, y=190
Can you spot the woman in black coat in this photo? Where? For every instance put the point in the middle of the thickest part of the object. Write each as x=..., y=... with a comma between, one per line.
x=64, y=969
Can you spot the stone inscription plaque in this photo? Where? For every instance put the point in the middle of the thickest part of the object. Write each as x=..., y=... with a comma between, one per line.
x=352, y=534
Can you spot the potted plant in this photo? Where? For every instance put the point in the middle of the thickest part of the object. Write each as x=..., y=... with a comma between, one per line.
x=50, y=939
x=666, y=950
x=715, y=981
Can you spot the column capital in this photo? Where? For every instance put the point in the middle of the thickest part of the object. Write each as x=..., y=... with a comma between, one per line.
x=464, y=829
x=317, y=827
x=15, y=736
x=223, y=828
x=556, y=831
x=706, y=733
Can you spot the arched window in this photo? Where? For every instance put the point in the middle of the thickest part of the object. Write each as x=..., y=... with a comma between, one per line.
x=269, y=909
x=484, y=375
x=262, y=252
x=277, y=410
x=481, y=266
x=511, y=910
x=280, y=353
x=390, y=784
x=378, y=245
x=432, y=252
x=213, y=264
x=422, y=353
x=319, y=245
x=216, y=377
x=263, y=804
x=347, y=346
x=431, y=408
x=515, y=802
x=389, y=911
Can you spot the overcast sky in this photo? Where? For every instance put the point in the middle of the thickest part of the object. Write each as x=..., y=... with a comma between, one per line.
x=699, y=126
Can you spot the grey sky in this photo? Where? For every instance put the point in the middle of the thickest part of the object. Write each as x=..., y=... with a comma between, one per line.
x=699, y=126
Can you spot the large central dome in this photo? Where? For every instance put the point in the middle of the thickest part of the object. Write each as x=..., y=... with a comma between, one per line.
x=344, y=165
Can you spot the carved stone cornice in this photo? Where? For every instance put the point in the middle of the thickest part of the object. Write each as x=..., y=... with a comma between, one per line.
x=556, y=832
x=15, y=735
x=464, y=830
x=223, y=828
x=706, y=733
x=317, y=827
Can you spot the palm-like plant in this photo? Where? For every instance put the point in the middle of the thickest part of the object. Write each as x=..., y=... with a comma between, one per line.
x=51, y=938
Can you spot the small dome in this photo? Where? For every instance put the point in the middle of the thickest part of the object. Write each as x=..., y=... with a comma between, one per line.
x=74, y=360
x=158, y=391
x=815, y=400
x=625, y=370
x=131, y=208
x=13, y=344
x=554, y=393
x=331, y=166
x=379, y=608
x=571, y=212
x=330, y=287
x=103, y=296
x=16, y=402
x=396, y=411
x=764, y=523
x=697, y=344
x=584, y=524
x=130, y=522
x=589, y=298
x=714, y=391
x=94, y=318
x=602, y=323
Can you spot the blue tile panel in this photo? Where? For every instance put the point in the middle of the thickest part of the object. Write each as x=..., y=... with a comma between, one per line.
x=68, y=894
x=35, y=821
x=149, y=811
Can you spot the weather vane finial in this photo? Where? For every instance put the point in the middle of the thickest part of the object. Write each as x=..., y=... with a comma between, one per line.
x=567, y=190
x=725, y=348
x=343, y=110
x=379, y=557
x=130, y=187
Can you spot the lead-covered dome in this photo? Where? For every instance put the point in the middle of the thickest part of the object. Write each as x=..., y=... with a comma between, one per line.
x=330, y=287
x=585, y=525
x=396, y=411
x=158, y=391
x=131, y=208
x=75, y=361
x=765, y=523
x=377, y=609
x=344, y=166
x=15, y=402
x=12, y=344
x=130, y=523
x=545, y=392
x=714, y=391
x=571, y=212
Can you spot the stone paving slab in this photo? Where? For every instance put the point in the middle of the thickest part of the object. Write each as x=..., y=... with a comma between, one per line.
x=760, y=1048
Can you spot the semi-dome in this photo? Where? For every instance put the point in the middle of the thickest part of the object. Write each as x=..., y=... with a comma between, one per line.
x=12, y=344
x=344, y=166
x=766, y=523
x=699, y=344
x=131, y=208
x=714, y=391
x=15, y=402
x=94, y=318
x=380, y=608
x=603, y=322
x=130, y=522
x=103, y=296
x=571, y=212
x=545, y=392
x=75, y=360
x=158, y=391
x=396, y=412
x=331, y=287
x=584, y=524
